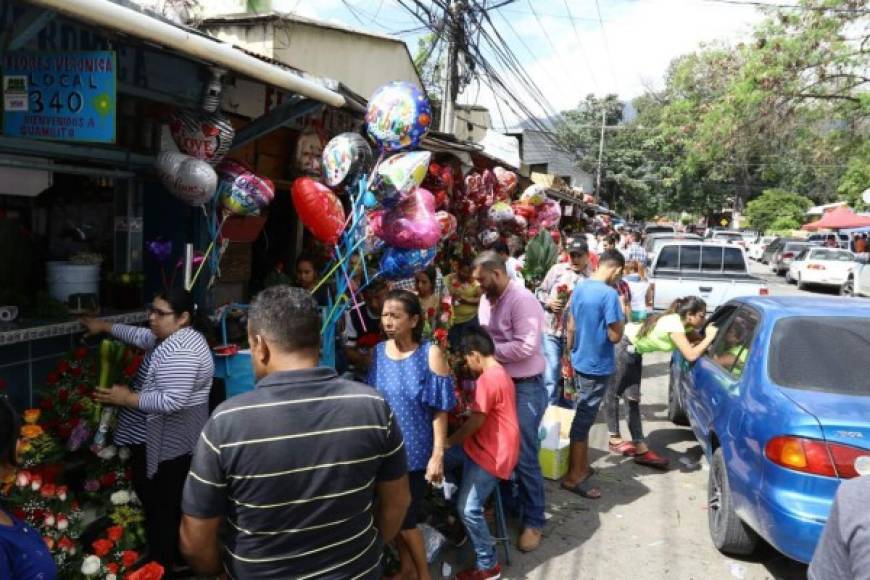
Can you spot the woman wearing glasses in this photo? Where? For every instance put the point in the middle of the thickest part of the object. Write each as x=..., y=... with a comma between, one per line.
x=161, y=417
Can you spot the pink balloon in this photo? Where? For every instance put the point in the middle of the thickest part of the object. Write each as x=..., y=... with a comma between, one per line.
x=412, y=224
x=549, y=214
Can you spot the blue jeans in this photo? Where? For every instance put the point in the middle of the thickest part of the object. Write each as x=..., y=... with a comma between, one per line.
x=590, y=392
x=554, y=348
x=477, y=485
x=531, y=405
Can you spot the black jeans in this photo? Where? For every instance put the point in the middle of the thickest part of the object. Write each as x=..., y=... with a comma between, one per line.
x=161, y=502
x=625, y=384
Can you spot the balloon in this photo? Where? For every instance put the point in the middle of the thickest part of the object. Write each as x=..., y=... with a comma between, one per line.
x=534, y=195
x=488, y=237
x=373, y=225
x=447, y=221
x=399, y=263
x=501, y=212
x=412, y=224
x=525, y=210
x=319, y=209
x=242, y=192
x=191, y=180
x=398, y=116
x=159, y=249
x=206, y=136
x=521, y=222
x=506, y=183
x=549, y=214
x=344, y=157
x=400, y=174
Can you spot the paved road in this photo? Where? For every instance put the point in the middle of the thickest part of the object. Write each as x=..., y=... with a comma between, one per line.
x=649, y=525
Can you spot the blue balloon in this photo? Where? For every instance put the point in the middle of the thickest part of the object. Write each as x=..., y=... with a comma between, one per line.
x=398, y=263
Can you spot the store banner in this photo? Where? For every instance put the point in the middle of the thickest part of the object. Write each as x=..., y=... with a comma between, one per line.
x=63, y=96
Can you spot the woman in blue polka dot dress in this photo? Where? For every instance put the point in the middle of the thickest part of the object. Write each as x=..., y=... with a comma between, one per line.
x=414, y=378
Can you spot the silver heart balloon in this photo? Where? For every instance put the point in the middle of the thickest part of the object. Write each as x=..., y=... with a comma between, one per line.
x=191, y=180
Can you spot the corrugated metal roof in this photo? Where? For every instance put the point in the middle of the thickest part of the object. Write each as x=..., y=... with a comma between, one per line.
x=273, y=15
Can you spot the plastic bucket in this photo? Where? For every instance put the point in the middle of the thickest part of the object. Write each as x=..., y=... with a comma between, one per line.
x=66, y=278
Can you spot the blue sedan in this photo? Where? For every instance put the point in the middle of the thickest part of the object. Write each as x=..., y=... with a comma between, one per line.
x=781, y=404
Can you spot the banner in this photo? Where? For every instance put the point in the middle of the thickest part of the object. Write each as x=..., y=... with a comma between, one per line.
x=64, y=96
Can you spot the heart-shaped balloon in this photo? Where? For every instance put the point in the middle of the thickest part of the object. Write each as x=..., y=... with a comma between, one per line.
x=319, y=209
x=398, y=116
x=474, y=187
x=241, y=191
x=549, y=214
x=412, y=223
x=399, y=175
x=525, y=210
x=345, y=157
x=399, y=263
x=506, y=183
x=447, y=221
x=206, y=136
x=501, y=212
x=191, y=180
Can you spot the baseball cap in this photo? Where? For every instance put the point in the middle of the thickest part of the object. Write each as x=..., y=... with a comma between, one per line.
x=577, y=246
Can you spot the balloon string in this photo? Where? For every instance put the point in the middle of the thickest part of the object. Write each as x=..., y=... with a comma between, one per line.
x=329, y=317
x=206, y=255
x=336, y=267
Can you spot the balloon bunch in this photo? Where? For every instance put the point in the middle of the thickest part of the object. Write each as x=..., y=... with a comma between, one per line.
x=537, y=210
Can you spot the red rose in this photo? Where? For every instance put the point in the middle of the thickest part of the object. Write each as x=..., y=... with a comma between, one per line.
x=76, y=371
x=102, y=547
x=82, y=389
x=430, y=313
x=129, y=557
x=45, y=404
x=63, y=395
x=115, y=533
x=113, y=568
x=150, y=571
x=62, y=366
x=108, y=479
x=445, y=307
x=3, y=384
x=48, y=490
x=52, y=378
x=80, y=353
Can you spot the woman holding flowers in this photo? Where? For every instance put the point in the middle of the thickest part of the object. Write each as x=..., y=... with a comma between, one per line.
x=163, y=414
x=23, y=554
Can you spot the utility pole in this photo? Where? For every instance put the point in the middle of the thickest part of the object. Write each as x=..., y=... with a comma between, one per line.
x=451, y=79
x=600, y=154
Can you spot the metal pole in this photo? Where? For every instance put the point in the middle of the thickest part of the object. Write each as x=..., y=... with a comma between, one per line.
x=600, y=154
x=448, y=104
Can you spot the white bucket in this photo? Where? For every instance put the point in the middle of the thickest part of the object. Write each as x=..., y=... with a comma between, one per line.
x=66, y=278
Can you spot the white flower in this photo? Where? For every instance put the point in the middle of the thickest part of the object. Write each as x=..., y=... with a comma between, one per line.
x=108, y=452
x=36, y=484
x=124, y=453
x=120, y=497
x=49, y=521
x=23, y=479
x=91, y=566
x=62, y=524
x=111, y=577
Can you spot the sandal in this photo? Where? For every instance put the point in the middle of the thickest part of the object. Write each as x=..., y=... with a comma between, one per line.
x=651, y=459
x=624, y=448
x=583, y=488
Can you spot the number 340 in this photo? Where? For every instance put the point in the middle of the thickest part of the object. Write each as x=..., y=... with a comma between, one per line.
x=73, y=102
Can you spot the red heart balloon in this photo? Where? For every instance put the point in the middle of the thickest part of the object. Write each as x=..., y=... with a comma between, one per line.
x=319, y=209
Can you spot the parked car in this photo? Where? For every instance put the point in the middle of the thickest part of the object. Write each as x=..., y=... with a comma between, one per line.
x=715, y=272
x=822, y=266
x=782, y=258
x=727, y=237
x=822, y=239
x=774, y=247
x=654, y=242
x=858, y=283
x=781, y=406
x=659, y=229
x=756, y=248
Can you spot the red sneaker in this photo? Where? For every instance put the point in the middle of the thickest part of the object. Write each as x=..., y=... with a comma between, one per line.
x=492, y=574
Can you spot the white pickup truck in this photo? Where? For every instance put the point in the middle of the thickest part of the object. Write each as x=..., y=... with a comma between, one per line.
x=858, y=283
x=715, y=272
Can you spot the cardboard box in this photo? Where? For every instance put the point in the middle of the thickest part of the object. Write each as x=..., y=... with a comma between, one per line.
x=554, y=462
x=562, y=416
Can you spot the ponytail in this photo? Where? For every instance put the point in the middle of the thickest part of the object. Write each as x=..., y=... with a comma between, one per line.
x=682, y=306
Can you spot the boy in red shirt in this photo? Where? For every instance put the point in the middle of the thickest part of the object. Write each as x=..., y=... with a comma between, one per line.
x=487, y=447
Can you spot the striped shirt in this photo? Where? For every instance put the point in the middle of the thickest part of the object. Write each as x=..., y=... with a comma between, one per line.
x=292, y=465
x=173, y=382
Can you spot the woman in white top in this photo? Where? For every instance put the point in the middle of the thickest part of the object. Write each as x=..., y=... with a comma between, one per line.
x=642, y=290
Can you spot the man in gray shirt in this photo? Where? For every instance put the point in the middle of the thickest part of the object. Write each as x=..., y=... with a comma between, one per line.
x=843, y=552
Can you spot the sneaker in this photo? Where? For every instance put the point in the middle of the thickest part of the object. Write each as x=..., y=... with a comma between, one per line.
x=492, y=574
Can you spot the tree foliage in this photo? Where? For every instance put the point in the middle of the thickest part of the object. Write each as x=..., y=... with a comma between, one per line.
x=776, y=209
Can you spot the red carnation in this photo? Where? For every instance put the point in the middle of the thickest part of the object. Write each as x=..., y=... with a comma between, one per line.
x=52, y=378
x=129, y=557
x=113, y=568
x=430, y=313
x=102, y=547
x=115, y=533
x=150, y=571
x=80, y=353
x=108, y=479
x=62, y=366
x=63, y=395
x=76, y=371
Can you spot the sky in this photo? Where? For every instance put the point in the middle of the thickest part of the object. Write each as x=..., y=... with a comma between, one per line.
x=628, y=49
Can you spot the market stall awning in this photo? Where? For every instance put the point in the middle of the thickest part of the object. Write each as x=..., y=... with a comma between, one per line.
x=840, y=218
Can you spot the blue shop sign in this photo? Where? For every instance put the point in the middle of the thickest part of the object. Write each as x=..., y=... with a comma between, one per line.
x=64, y=96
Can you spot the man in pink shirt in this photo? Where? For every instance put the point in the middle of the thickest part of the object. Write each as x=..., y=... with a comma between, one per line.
x=515, y=321
x=487, y=447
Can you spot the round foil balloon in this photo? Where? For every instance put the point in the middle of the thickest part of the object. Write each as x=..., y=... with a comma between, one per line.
x=549, y=214
x=534, y=195
x=399, y=263
x=206, y=136
x=241, y=191
x=344, y=157
x=525, y=210
x=412, y=223
x=191, y=180
x=398, y=116
x=501, y=212
x=506, y=183
x=400, y=174
x=319, y=209
x=447, y=221
x=488, y=237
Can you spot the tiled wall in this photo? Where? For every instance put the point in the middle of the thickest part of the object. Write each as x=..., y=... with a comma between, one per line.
x=25, y=365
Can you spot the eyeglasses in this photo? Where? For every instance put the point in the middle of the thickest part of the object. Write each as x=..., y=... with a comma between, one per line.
x=157, y=312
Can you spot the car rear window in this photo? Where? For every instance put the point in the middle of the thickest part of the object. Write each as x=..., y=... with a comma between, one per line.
x=821, y=354
x=833, y=255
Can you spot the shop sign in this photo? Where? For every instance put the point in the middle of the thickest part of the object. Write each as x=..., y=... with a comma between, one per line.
x=70, y=96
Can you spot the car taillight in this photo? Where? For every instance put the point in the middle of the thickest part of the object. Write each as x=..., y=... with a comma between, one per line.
x=763, y=291
x=816, y=267
x=787, y=255
x=814, y=456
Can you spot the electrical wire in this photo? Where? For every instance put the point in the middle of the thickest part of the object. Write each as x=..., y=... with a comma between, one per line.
x=580, y=44
x=607, y=46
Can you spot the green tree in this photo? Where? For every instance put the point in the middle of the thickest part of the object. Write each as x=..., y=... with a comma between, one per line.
x=856, y=178
x=776, y=209
x=784, y=224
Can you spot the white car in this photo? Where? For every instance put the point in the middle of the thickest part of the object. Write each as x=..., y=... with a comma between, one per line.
x=756, y=248
x=823, y=266
x=858, y=283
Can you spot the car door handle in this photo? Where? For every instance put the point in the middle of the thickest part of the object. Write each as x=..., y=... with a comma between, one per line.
x=705, y=288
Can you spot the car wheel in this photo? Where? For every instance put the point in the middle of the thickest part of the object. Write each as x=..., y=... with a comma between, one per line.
x=848, y=289
x=788, y=277
x=730, y=535
x=801, y=285
x=676, y=413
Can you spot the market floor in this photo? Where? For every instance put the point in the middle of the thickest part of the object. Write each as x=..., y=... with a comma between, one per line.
x=648, y=525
